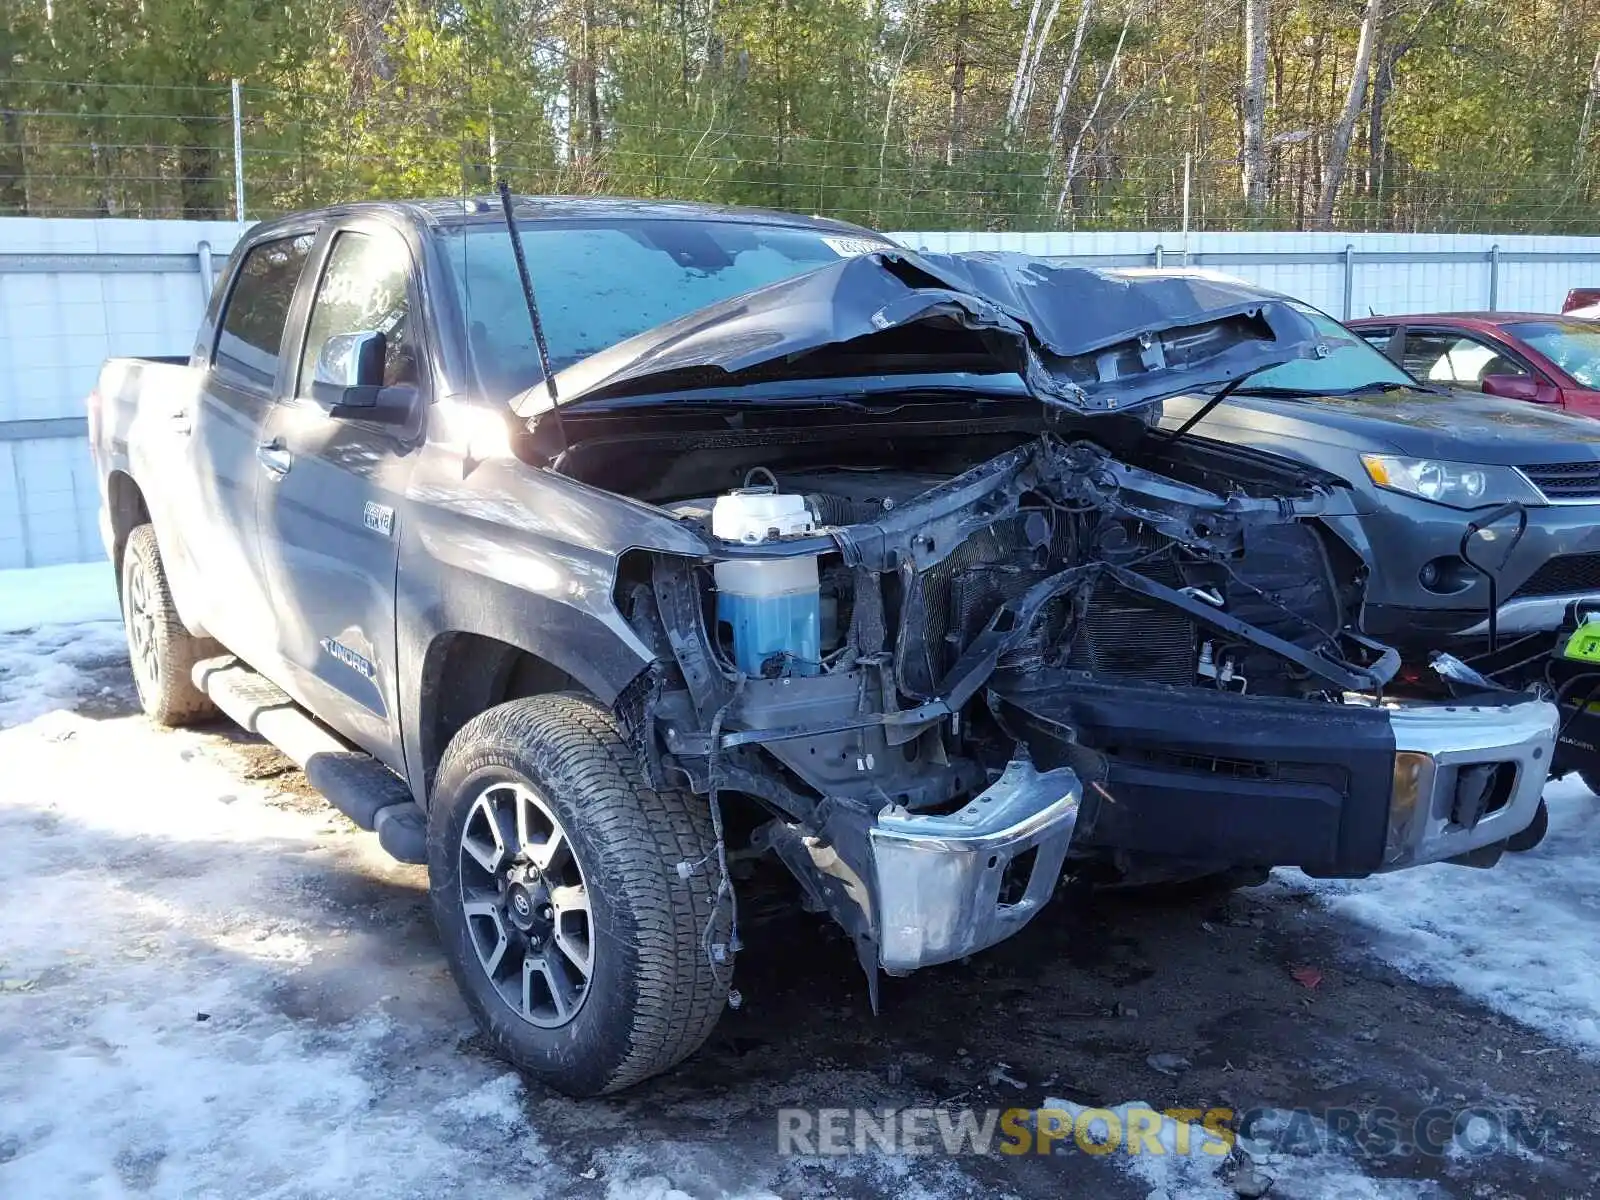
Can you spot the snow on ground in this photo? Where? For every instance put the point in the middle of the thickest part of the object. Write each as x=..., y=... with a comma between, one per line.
x=66, y=621
x=1193, y=1164
x=57, y=595
x=1521, y=937
x=210, y=987
x=154, y=905
x=43, y=669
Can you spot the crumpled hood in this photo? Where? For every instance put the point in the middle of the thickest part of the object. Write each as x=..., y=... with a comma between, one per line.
x=1089, y=340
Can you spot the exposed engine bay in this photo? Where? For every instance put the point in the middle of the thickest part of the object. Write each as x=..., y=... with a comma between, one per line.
x=933, y=664
x=978, y=637
x=1152, y=558
x=932, y=690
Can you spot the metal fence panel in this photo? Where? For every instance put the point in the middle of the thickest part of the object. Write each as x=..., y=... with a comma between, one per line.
x=73, y=293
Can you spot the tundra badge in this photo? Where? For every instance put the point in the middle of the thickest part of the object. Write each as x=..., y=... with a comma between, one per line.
x=359, y=663
x=379, y=518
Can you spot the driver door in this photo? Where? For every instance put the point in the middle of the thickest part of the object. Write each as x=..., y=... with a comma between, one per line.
x=331, y=516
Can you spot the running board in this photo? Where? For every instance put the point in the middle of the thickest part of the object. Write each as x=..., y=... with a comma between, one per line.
x=354, y=782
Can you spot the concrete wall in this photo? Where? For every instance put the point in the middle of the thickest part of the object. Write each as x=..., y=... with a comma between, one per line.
x=73, y=292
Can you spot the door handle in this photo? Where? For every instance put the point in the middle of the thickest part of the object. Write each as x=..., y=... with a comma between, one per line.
x=274, y=458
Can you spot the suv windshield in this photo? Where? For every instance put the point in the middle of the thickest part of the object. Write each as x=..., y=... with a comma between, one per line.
x=599, y=284
x=1350, y=365
x=1574, y=346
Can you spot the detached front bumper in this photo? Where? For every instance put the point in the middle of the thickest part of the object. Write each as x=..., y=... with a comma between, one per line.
x=1465, y=777
x=947, y=886
x=1338, y=790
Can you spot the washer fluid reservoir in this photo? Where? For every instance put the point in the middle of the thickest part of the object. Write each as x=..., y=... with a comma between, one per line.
x=773, y=606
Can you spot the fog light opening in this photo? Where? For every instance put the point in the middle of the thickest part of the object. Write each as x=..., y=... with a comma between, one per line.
x=1445, y=575
x=1014, y=879
x=1482, y=789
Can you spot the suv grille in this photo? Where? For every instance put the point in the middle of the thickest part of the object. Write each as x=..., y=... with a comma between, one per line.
x=1564, y=573
x=1566, y=481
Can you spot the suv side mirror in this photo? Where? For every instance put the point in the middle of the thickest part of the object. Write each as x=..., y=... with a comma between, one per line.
x=1519, y=388
x=348, y=381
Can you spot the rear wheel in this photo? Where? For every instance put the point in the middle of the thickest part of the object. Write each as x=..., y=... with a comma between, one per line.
x=590, y=958
x=161, y=651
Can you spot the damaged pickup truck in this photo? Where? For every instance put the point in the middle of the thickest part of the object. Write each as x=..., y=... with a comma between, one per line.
x=580, y=546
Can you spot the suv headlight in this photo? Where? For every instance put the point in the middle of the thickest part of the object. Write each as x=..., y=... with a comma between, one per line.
x=1460, y=485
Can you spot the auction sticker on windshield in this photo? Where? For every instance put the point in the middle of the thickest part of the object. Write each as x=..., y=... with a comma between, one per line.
x=850, y=247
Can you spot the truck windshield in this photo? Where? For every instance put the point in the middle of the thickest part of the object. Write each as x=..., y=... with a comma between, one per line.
x=1350, y=364
x=1574, y=346
x=599, y=284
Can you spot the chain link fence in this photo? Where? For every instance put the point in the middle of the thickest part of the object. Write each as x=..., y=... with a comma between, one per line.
x=85, y=149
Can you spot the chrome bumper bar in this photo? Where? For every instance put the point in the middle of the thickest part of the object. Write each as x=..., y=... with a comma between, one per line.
x=950, y=885
x=1465, y=777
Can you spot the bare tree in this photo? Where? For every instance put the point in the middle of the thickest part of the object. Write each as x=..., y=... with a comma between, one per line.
x=956, y=131
x=1344, y=127
x=1069, y=77
x=1023, y=57
x=1094, y=110
x=13, y=164
x=912, y=18
x=1386, y=61
x=1019, y=116
x=1254, y=106
x=1586, y=124
x=589, y=77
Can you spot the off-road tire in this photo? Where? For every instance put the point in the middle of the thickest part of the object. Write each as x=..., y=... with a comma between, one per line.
x=655, y=993
x=163, y=679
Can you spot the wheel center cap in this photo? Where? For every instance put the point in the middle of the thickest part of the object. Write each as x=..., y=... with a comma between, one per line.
x=527, y=908
x=519, y=907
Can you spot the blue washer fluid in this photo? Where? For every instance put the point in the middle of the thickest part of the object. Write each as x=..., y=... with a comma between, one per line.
x=773, y=606
x=788, y=624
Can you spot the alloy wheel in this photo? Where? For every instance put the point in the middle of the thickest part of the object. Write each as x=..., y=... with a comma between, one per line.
x=526, y=904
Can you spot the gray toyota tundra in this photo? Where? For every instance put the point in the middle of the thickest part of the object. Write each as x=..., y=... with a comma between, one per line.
x=577, y=546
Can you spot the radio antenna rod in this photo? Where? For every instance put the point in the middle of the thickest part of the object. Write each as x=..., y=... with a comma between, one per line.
x=533, y=306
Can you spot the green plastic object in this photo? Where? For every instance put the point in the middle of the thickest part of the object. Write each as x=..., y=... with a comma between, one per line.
x=1584, y=644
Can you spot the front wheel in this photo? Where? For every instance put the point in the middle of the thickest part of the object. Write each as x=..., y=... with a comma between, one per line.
x=590, y=957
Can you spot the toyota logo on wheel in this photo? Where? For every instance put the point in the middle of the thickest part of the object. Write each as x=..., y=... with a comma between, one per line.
x=522, y=904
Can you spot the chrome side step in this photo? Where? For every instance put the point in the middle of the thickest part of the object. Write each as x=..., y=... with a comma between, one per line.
x=354, y=782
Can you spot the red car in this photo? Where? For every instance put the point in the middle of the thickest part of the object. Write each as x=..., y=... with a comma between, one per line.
x=1521, y=356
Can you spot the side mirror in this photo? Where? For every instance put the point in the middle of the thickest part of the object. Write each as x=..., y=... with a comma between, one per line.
x=349, y=370
x=348, y=381
x=1515, y=387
